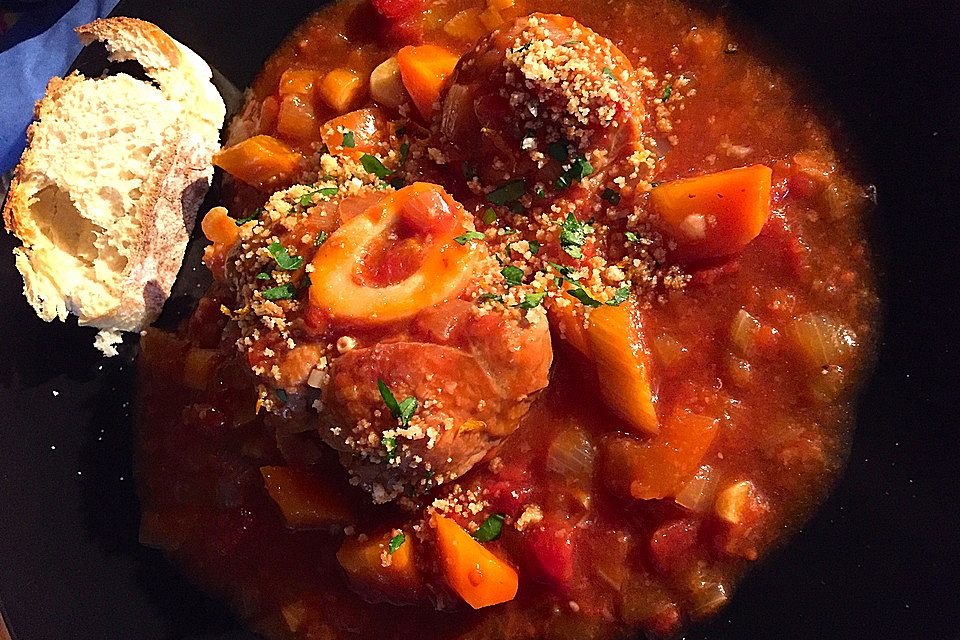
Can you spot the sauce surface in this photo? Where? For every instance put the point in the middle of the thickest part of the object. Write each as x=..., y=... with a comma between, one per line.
x=752, y=355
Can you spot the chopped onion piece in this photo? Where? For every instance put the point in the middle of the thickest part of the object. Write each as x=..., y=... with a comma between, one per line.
x=697, y=494
x=742, y=332
x=571, y=455
x=821, y=340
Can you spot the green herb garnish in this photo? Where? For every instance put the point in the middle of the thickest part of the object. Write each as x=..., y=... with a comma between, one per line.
x=321, y=238
x=558, y=151
x=619, y=296
x=540, y=193
x=390, y=444
x=404, y=152
x=396, y=542
x=468, y=236
x=531, y=300
x=402, y=411
x=513, y=275
x=490, y=529
x=579, y=169
x=507, y=192
x=253, y=216
x=534, y=247
x=585, y=298
x=283, y=259
x=489, y=216
x=348, y=140
x=523, y=47
x=372, y=164
x=611, y=195
x=573, y=235
x=667, y=93
x=570, y=43
x=283, y=292
x=632, y=237
x=607, y=72
x=307, y=199
x=263, y=275
x=491, y=296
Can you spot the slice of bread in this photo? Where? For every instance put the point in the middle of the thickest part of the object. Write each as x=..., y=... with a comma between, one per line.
x=105, y=196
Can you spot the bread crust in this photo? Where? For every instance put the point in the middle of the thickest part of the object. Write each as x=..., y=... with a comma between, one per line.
x=169, y=198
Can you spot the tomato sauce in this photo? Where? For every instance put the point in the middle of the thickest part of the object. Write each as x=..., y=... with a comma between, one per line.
x=754, y=363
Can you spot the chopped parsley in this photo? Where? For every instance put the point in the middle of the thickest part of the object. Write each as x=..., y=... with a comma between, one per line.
x=522, y=47
x=307, y=199
x=619, y=296
x=402, y=411
x=570, y=43
x=396, y=542
x=390, y=444
x=667, y=92
x=489, y=216
x=283, y=259
x=531, y=300
x=372, y=164
x=348, y=140
x=585, y=298
x=632, y=237
x=611, y=195
x=558, y=151
x=263, y=275
x=253, y=216
x=573, y=235
x=534, y=247
x=490, y=529
x=513, y=275
x=491, y=296
x=508, y=192
x=321, y=238
x=579, y=169
x=607, y=72
x=468, y=236
x=540, y=192
x=397, y=182
x=283, y=292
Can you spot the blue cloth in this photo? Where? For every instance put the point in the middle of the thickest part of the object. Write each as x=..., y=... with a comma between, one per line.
x=40, y=45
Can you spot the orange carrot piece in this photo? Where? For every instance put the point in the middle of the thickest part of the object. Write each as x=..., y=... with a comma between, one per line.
x=715, y=214
x=568, y=321
x=472, y=571
x=370, y=131
x=299, y=82
x=623, y=365
x=341, y=88
x=261, y=161
x=304, y=499
x=659, y=467
x=425, y=70
x=364, y=561
x=219, y=227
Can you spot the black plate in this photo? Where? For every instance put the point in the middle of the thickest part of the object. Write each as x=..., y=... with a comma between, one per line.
x=880, y=560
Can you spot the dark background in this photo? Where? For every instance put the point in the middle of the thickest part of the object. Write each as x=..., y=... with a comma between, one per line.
x=879, y=561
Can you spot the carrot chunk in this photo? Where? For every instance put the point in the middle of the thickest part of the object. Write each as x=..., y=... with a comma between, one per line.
x=383, y=564
x=659, y=467
x=715, y=214
x=356, y=133
x=623, y=365
x=341, y=88
x=219, y=227
x=261, y=161
x=425, y=70
x=305, y=501
x=472, y=571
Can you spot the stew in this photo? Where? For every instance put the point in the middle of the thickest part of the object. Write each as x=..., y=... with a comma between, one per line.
x=530, y=319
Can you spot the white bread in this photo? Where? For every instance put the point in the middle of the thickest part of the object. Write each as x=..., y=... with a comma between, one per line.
x=106, y=194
